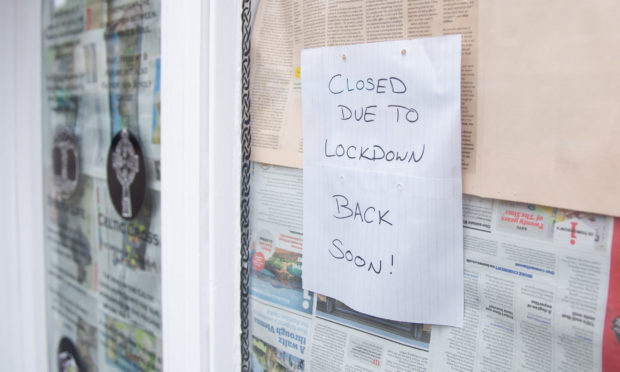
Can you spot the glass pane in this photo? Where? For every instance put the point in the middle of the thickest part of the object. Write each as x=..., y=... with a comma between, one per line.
x=101, y=144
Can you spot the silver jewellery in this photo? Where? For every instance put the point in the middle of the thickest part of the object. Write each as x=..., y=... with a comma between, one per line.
x=126, y=174
x=65, y=161
x=126, y=164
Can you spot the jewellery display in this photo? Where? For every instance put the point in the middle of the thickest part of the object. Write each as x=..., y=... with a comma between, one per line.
x=65, y=162
x=126, y=174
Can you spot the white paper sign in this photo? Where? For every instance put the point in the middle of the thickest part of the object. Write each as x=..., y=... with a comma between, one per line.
x=382, y=178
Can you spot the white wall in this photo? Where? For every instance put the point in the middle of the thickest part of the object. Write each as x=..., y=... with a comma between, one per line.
x=22, y=310
x=201, y=50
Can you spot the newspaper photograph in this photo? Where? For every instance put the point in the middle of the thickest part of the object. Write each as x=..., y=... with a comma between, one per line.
x=277, y=238
x=266, y=357
x=282, y=329
x=130, y=348
x=412, y=334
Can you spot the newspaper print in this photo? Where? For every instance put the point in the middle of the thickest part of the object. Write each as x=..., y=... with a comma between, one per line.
x=537, y=280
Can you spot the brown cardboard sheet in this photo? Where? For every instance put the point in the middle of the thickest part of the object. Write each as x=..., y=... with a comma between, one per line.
x=549, y=104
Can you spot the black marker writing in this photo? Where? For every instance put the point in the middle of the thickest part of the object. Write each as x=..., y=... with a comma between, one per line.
x=369, y=215
x=367, y=113
x=336, y=251
x=411, y=115
x=373, y=153
x=340, y=84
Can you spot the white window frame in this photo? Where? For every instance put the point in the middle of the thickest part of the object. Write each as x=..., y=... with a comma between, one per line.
x=201, y=161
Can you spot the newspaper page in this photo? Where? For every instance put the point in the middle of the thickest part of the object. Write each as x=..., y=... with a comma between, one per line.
x=283, y=28
x=103, y=272
x=536, y=284
x=280, y=309
x=539, y=98
x=537, y=281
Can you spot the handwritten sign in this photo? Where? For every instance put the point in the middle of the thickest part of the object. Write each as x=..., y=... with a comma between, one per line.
x=382, y=178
